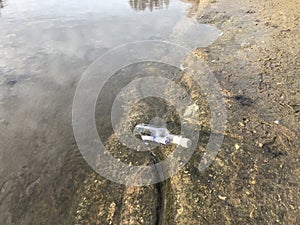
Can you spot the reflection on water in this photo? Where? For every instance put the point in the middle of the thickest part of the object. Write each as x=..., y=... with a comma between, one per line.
x=140, y=5
x=150, y=4
x=2, y=4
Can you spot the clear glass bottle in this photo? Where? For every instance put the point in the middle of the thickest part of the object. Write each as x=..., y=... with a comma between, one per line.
x=160, y=135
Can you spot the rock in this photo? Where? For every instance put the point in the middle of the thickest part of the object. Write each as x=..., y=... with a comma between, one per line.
x=222, y=197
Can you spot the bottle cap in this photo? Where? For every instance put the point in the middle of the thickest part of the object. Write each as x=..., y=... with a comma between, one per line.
x=184, y=142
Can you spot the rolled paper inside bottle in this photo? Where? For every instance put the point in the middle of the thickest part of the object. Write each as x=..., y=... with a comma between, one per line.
x=147, y=138
x=162, y=140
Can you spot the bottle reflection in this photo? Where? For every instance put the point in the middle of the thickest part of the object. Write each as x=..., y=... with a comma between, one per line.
x=140, y=5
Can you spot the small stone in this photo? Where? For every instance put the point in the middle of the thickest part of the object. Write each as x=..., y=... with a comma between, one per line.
x=252, y=182
x=79, y=217
x=237, y=147
x=260, y=145
x=222, y=197
x=251, y=214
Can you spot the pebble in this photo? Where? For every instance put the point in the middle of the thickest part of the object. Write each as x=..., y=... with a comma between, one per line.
x=222, y=197
x=252, y=182
x=241, y=124
x=237, y=146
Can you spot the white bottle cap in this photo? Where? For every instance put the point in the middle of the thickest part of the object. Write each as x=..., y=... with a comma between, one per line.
x=184, y=142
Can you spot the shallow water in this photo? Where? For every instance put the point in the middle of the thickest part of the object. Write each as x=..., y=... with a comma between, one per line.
x=46, y=46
